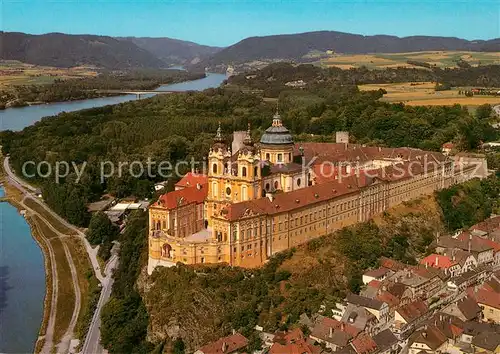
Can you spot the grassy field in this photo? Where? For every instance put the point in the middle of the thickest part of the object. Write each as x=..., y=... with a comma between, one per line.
x=52, y=220
x=423, y=94
x=87, y=281
x=389, y=60
x=17, y=73
x=66, y=293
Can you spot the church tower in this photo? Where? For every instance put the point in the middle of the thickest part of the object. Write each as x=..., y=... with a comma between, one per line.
x=276, y=144
x=249, y=173
x=217, y=170
x=232, y=176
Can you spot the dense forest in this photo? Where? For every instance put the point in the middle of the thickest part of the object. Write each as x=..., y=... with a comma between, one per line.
x=297, y=46
x=174, y=51
x=77, y=89
x=272, y=79
x=468, y=203
x=180, y=127
x=194, y=305
x=124, y=317
x=66, y=50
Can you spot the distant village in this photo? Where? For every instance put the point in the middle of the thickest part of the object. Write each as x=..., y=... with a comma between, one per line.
x=448, y=303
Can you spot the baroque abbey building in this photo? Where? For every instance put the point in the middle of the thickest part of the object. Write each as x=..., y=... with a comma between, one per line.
x=260, y=199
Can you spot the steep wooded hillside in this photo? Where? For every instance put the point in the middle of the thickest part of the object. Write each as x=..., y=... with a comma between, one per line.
x=174, y=51
x=64, y=50
x=296, y=46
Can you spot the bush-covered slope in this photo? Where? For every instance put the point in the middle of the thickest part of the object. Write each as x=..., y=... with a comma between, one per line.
x=200, y=304
x=296, y=46
x=174, y=51
x=65, y=50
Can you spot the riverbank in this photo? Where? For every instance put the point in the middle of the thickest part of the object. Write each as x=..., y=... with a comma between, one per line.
x=12, y=104
x=13, y=197
x=17, y=119
x=68, y=273
x=60, y=235
x=92, y=87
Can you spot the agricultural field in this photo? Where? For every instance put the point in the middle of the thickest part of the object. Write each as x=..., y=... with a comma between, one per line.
x=423, y=94
x=17, y=73
x=441, y=59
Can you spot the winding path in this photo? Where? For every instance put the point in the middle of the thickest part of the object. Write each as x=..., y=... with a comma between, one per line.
x=63, y=346
x=49, y=331
x=91, y=344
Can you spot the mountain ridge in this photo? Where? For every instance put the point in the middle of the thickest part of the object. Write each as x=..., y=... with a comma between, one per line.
x=69, y=50
x=66, y=50
x=174, y=51
x=296, y=46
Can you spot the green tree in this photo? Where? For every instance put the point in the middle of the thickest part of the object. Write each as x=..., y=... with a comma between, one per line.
x=179, y=346
x=101, y=230
x=484, y=111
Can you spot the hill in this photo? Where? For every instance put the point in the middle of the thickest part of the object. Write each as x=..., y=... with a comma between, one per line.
x=202, y=303
x=301, y=46
x=64, y=50
x=174, y=51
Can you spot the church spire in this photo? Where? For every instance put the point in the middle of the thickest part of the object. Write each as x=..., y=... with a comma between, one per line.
x=277, y=118
x=248, y=137
x=218, y=136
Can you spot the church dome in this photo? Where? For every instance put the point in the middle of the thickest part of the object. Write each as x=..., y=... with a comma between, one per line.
x=277, y=134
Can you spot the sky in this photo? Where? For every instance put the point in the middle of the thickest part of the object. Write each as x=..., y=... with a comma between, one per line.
x=224, y=22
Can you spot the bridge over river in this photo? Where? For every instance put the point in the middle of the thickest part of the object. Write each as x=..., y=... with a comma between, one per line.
x=138, y=93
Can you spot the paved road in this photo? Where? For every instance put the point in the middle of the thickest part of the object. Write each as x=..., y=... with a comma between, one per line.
x=91, y=344
x=26, y=189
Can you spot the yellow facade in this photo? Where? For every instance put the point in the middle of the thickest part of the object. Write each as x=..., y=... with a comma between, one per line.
x=232, y=181
x=251, y=238
x=490, y=314
x=277, y=154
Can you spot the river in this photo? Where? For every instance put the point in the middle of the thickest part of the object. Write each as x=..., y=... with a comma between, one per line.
x=22, y=275
x=22, y=283
x=21, y=117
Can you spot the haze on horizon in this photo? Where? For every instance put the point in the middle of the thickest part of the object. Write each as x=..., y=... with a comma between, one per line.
x=222, y=23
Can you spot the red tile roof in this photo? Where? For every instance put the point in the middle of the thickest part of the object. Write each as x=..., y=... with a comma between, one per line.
x=391, y=264
x=374, y=283
x=364, y=344
x=477, y=241
x=438, y=261
x=190, y=179
x=292, y=342
x=413, y=310
x=284, y=202
x=487, y=225
x=492, y=285
x=431, y=336
x=225, y=345
x=299, y=347
x=339, y=152
x=289, y=337
x=182, y=197
x=388, y=298
x=322, y=328
x=486, y=297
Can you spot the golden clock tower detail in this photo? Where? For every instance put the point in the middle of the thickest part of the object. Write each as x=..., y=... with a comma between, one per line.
x=232, y=178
